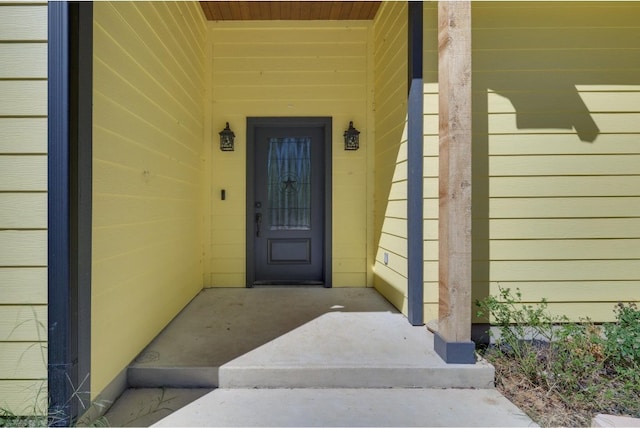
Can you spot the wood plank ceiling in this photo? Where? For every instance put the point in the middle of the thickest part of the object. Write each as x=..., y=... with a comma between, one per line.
x=289, y=10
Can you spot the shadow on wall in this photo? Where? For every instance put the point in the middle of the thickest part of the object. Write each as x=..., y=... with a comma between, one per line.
x=541, y=104
x=540, y=56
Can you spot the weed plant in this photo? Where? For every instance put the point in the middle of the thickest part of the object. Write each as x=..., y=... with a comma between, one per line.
x=8, y=419
x=559, y=372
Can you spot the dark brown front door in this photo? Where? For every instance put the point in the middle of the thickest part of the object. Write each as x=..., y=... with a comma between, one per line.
x=286, y=214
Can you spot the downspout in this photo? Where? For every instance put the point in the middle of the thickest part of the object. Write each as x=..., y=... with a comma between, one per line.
x=415, y=142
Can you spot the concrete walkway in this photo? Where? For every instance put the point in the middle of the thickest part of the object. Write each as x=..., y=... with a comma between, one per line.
x=304, y=357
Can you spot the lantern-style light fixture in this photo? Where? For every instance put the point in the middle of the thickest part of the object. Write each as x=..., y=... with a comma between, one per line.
x=351, y=138
x=226, y=139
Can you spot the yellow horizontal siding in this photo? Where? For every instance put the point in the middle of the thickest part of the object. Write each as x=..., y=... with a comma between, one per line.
x=237, y=109
x=21, y=286
x=556, y=183
x=289, y=69
x=23, y=210
x=115, y=42
x=300, y=51
x=23, y=360
x=23, y=98
x=23, y=22
x=146, y=112
x=561, y=270
x=341, y=78
x=577, y=311
x=126, y=210
x=554, y=144
x=598, y=100
x=573, y=291
x=558, y=15
x=619, y=123
x=301, y=92
x=148, y=173
x=149, y=37
x=23, y=207
x=397, y=208
x=231, y=280
x=140, y=236
x=545, y=59
x=350, y=279
x=24, y=397
x=563, y=207
x=565, y=249
x=545, y=165
x=23, y=60
x=390, y=232
x=23, y=173
x=564, y=228
x=23, y=248
x=23, y=323
x=21, y=135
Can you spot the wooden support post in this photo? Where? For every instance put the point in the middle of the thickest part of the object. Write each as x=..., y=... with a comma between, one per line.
x=453, y=340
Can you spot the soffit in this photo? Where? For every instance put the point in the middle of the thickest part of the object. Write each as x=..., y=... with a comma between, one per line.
x=289, y=10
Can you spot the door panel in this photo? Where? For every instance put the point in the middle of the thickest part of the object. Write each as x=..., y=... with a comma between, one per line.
x=288, y=204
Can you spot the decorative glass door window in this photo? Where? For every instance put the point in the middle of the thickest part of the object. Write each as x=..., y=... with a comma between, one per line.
x=289, y=183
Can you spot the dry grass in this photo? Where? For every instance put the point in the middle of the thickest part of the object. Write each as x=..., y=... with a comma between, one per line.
x=547, y=408
x=562, y=373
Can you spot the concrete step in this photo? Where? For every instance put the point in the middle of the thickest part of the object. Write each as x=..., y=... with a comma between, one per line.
x=352, y=350
x=172, y=377
x=142, y=407
x=333, y=350
x=349, y=408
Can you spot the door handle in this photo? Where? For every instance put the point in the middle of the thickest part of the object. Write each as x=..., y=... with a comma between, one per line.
x=258, y=223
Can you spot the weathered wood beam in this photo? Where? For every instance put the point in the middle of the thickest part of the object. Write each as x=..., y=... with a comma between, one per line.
x=453, y=340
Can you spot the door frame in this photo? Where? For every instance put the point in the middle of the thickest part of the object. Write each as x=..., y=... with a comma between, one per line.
x=283, y=122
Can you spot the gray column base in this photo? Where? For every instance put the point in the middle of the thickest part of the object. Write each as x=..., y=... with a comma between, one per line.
x=454, y=352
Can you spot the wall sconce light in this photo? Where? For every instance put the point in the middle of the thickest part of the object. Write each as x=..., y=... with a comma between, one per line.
x=226, y=139
x=351, y=138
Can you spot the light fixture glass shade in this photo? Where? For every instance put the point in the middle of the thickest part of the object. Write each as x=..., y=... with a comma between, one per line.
x=227, y=138
x=351, y=138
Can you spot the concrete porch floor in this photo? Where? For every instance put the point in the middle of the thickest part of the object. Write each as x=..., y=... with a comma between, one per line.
x=277, y=345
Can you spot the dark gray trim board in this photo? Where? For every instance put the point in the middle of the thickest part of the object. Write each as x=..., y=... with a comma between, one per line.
x=454, y=352
x=80, y=190
x=59, y=347
x=70, y=26
x=326, y=124
x=415, y=137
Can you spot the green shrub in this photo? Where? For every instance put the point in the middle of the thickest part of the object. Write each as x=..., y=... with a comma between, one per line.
x=589, y=368
x=623, y=337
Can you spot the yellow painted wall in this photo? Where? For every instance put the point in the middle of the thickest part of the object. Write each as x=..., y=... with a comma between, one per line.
x=556, y=182
x=390, y=201
x=148, y=174
x=23, y=207
x=291, y=68
x=557, y=152
x=391, y=156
